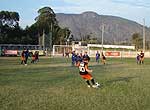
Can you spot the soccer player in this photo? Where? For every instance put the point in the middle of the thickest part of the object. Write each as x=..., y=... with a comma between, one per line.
x=86, y=56
x=22, y=58
x=138, y=59
x=73, y=58
x=97, y=57
x=141, y=57
x=85, y=73
x=36, y=56
x=33, y=58
x=26, y=56
x=103, y=59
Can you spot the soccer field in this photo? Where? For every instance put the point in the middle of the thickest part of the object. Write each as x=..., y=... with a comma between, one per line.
x=53, y=84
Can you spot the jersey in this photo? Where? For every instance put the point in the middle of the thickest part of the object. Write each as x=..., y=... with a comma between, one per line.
x=82, y=69
x=142, y=55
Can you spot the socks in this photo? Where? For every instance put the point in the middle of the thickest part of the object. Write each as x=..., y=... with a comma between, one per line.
x=88, y=82
x=93, y=82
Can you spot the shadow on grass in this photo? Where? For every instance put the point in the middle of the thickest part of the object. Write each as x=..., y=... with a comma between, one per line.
x=107, y=64
x=118, y=79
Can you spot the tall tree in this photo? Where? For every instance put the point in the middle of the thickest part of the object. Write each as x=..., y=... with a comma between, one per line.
x=48, y=24
x=46, y=21
x=9, y=18
x=10, y=32
x=137, y=40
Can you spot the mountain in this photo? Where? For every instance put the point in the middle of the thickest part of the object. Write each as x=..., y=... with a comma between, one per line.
x=117, y=30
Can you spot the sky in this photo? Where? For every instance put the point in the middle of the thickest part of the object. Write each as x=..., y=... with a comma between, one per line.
x=135, y=10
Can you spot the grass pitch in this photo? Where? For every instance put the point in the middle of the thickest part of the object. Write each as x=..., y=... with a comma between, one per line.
x=53, y=84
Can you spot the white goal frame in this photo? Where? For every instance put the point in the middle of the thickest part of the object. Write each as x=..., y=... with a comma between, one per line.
x=60, y=50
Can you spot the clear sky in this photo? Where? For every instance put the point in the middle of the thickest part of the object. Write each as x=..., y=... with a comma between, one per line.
x=134, y=10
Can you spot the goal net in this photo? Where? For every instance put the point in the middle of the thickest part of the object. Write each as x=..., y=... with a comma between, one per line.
x=62, y=50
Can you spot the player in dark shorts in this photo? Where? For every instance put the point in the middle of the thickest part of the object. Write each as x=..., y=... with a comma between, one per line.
x=138, y=59
x=97, y=57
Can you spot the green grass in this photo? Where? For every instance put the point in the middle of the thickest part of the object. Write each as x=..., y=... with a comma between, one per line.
x=53, y=84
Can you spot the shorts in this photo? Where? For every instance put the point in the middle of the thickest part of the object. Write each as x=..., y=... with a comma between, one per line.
x=87, y=76
x=22, y=58
x=142, y=59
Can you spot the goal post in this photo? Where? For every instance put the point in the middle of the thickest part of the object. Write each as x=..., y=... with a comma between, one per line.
x=61, y=50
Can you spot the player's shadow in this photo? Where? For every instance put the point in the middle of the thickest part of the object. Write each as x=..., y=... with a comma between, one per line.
x=119, y=79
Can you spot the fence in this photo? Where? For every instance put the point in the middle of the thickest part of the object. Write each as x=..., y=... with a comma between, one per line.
x=119, y=54
x=58, y=50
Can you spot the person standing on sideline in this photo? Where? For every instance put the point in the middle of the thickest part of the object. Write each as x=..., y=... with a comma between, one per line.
x=141, y=57
x=103, y=59
x=85, y=73
x=97, y=57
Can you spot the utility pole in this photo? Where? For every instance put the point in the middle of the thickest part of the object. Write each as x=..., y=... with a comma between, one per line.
x=143, y=34
x=43, y=39
x=50, y=39
x=102, y=36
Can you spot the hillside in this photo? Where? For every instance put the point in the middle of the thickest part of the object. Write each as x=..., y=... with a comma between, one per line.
x=117, y=30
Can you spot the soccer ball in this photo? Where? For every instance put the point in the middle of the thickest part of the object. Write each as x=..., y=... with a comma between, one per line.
x=97, y=84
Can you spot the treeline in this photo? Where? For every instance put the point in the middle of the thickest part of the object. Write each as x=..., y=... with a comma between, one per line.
x=137, y=40
x=46, y=23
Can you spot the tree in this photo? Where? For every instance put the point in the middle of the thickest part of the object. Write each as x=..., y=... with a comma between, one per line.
x=10, y=32
x=137, y=40
x=46, y=21
x=61, y=35
x=32, y=34
x=10, y=19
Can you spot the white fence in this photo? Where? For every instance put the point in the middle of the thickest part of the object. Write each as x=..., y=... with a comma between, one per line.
x=112, y=53
x=118, y=54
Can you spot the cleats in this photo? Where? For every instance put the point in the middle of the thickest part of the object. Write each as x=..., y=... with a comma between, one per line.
x=89, y=86
x=94, y=86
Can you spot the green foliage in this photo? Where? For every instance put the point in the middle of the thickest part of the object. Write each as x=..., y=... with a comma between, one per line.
x=11, y=33
x=9, y=27
x=137, y=40
x=32, y=34
x=10, y=19
x=46, y=21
